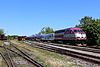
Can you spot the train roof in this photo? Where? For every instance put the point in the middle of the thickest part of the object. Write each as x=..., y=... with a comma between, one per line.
x=72, y=28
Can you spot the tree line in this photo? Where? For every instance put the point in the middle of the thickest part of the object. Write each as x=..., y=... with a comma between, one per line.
x=1, y=31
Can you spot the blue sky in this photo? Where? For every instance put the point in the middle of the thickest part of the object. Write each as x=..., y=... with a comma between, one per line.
x=27, y=17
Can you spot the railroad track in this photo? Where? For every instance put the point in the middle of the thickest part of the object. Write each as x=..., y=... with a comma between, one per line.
x=17, y=51
x=94, y=50
x=85, y=49
x=7, y=57
x=82, y=53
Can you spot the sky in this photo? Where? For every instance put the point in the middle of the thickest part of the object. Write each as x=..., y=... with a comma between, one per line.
x=28, y=17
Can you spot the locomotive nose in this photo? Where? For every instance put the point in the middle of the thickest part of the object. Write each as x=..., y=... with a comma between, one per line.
x=81, y=35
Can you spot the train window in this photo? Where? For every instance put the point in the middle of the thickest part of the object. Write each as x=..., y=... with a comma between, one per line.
x=59, y=31
x=75, y=30
x=78, y=31
x=81, y=30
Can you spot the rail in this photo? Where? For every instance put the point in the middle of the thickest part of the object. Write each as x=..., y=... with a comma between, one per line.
x=25, y=56
x=82, y=54
x=17, y=51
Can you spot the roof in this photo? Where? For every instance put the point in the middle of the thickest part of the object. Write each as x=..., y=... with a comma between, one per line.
x=72, y=28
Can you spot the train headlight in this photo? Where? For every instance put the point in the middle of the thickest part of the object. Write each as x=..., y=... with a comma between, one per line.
x=84, y=35
x=78, y=35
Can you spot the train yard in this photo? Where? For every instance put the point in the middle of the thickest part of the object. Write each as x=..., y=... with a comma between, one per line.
x=9, y=53
x=49, y=33
x=85, y=53
x=15, y=54
x=47, y=58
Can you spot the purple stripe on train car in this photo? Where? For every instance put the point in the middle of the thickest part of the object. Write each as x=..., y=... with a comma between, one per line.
x=75, y=28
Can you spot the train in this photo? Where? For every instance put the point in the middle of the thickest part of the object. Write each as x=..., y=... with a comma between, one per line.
x=3, y=37
x=21, y=38
x=73, y=36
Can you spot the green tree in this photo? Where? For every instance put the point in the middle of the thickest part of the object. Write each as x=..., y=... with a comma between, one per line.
x=92, y=28
x=12, y=37
x=46, y=30
x=1, y=31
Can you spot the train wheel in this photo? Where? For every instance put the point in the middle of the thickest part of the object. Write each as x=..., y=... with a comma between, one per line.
x=79, y=44
x=84, y=44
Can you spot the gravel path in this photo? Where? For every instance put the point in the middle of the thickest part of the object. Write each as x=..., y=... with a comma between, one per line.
x=81, y=62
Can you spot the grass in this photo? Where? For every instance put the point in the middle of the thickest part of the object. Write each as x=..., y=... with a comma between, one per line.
x=2, y=62
x=47, y=58
x=1, y=42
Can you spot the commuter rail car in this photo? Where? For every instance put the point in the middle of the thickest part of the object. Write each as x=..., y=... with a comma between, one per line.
x=48, y=37
x=70, y=36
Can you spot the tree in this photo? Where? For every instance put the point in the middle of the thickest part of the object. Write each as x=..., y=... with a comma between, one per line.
x=46, y=30
x=1, y=31
x=12, y=37
x=92, y=28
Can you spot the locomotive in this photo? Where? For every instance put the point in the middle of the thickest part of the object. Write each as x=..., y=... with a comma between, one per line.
x=73, y=35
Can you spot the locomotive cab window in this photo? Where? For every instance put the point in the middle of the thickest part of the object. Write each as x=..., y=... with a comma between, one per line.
x=78, y=31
